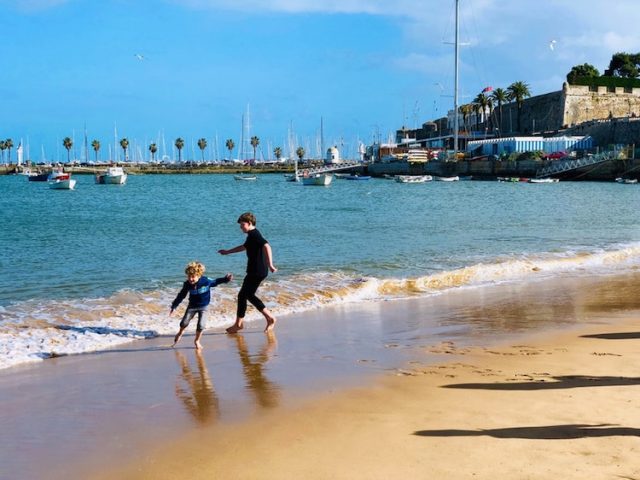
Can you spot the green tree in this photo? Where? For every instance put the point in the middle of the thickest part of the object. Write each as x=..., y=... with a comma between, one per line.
x=153, y=148
x=3, y=147
x=624, y=64
x=518, y=91
x=202, y=144
x=95, y=144
x=465, y=110
x=500, y=96
x=179, y=145
x=277, y=152
x=8, y=144
x=124, y=143
x=300, y=153
x=67, y=143
x=255, y=141
x=230, y=146
x=584, y=70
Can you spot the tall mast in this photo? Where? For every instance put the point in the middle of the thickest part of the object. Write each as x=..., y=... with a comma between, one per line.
x=455, y=93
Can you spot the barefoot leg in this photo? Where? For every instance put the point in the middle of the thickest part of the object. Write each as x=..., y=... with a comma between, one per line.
x=197, y=340
x=236, y=327
x=177, y=337
x=271, y=320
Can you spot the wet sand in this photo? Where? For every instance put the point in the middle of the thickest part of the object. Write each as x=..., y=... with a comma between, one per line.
x=497, y=382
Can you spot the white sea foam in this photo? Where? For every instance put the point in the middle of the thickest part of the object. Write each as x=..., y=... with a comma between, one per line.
x=32, y=331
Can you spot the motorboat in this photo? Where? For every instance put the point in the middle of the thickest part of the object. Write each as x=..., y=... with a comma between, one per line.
x=628, y=181
x=246, y=178
x=38, y=177
x=544, y=180
x=321, y=179
x=61, y=181
x=113, y=176
x=413, y=178
x=358, y=177
x=448, y=179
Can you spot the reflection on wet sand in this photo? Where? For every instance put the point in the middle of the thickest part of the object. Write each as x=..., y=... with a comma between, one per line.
x=196, y=389
x=266, y=393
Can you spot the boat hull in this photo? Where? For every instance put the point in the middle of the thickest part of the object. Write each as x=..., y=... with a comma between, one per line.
x=65, y=184
x=321, y=180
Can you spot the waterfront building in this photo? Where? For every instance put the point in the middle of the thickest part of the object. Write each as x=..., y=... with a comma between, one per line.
x=508, y=145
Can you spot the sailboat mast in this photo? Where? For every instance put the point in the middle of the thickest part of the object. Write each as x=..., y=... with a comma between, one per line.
x=455, y=92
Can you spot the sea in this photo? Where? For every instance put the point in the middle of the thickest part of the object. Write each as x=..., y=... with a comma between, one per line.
x=97, y=267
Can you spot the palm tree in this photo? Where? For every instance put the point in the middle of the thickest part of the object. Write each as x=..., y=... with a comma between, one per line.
x=300, y=153
x=8, y=144
x=96, y=146
x=483, y=103
x=124, y=143
x=179, y=144
x=202, y=144
x=465, y=110
x=500, y=96
x=277, y=152
x=153, y=148
x=3, y=147
x=230, y=146
x=67, y=143
x=518, y=91
x=255, y=141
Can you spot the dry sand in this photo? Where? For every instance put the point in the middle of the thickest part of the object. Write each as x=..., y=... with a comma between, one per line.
x=559, y=406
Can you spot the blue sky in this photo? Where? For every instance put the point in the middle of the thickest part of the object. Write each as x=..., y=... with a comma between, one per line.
x=366, y=67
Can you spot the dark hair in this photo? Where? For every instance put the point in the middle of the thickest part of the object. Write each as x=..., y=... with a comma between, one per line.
x=247, y=217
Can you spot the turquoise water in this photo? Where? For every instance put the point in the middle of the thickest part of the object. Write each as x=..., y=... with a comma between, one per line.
x=113, y=256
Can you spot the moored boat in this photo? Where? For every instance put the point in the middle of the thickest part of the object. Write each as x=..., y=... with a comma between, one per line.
x=113, y=176
x=448, y=179
x=38, y=177
x=320, y=179
x=413, y=178
x=628, y=181
x=358, y=177
x=61, y=181
x=544, y=180
x=246, y=178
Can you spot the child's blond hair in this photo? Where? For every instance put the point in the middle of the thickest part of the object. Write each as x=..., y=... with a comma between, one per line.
x=195, y=268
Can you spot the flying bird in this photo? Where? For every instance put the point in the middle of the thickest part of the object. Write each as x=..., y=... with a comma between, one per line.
x=552, y=45
x=139, y=56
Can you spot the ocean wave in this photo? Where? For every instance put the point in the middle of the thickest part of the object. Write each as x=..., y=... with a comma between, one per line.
x=35, y=330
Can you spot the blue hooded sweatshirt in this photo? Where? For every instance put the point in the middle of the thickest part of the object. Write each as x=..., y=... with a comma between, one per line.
x=199, y=293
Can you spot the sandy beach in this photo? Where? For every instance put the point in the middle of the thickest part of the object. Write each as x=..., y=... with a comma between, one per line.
x=535, y=380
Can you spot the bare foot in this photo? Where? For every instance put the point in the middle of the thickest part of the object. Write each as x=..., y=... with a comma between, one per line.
x=235, y=328
x=198, y=345
x=271, y=323
x=176, y=339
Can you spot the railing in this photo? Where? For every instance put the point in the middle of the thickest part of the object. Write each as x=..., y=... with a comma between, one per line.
x=566, y=165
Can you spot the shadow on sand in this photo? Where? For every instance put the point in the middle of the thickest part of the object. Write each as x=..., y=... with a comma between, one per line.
x=615, y=336
x=554, y=383
x=550, y=432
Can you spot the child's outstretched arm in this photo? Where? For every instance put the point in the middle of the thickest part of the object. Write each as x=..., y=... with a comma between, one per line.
x=239, y=248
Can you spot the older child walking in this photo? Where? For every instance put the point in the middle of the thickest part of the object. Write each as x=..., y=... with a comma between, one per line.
x=259, y=262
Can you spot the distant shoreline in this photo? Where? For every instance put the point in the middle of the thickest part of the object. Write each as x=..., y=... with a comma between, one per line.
x=153, y=169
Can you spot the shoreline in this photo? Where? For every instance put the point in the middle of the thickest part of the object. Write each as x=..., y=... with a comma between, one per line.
x=556, y=406
x=148, y=405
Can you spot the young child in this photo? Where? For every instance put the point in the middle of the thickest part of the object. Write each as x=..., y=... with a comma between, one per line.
x=199, y=290
x=259, y=262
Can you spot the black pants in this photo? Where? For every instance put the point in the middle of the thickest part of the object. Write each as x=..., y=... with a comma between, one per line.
x=248, y=290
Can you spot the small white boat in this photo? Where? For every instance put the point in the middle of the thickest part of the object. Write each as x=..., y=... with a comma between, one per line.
x=413, y=178
x=544, y=180
x=321, y=179
x=358, y=177
x=246, y=178
x=113, y=176
x=61, y=181
x=448, y=179
x=628, y=181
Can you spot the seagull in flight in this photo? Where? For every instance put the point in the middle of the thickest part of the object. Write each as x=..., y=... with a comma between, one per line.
x=552, y=45
x=139, y=56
